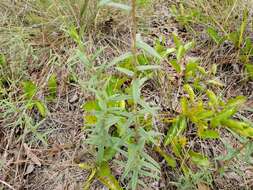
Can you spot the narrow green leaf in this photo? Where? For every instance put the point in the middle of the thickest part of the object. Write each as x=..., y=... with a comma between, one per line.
x=148, y=67
x=90, y=179
x=136, y=88
x=2, y=60
x=147, y=48
x=214, y=35
x=249, y=70
x=209, y=134
x=74, y=35
x=199, y=159
x=83, y=58
x=175, y=130
x=125, y=71
x=189, y=46
x=191, y=66
x=169, y=159
x=175, y=65
x=180, y=53
x=120, y=59
x=234, y=37
x=243, y=26
x=52, y=85
x=119, y=6
x=114, y=5
x=177, y=41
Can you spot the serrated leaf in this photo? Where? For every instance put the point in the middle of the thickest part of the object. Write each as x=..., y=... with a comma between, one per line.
x=236, y=102
x=41, y=108
x=223, y=116
x=204, y=114
x=188, y=89
x=184, y=105
x=178, y=144
x=242, y=128
x=202, y=70
x=213, y=100
x=30, y=89
x=216, y=82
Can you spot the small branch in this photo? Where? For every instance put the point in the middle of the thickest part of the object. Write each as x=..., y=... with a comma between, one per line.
x=6, y=184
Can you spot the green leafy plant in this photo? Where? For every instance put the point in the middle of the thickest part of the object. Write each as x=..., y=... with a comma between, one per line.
x=119, y=120
x=185, y=16
x=30, y=90
x=199, y=107
x=115, y=119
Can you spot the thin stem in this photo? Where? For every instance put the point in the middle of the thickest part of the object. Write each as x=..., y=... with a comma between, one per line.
x=7, y=185
x=133, y=34
x=135, y=61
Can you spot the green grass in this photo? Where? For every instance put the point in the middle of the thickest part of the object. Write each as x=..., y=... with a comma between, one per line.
x=160, y=108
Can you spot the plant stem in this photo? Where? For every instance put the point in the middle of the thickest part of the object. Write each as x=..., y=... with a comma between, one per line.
x=135, y=61
x=133, y=35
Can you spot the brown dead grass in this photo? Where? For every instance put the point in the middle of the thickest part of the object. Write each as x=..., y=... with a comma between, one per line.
x=55, y=166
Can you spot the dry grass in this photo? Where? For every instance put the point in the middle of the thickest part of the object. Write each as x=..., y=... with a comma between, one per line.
x=36, y=44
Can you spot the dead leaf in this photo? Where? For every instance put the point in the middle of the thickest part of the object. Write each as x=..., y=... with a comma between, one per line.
x=59, y=187
x=31, y=155
x=202, y=186
x=29, y=169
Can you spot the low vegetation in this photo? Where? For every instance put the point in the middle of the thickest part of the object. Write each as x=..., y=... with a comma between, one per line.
x=133, y=94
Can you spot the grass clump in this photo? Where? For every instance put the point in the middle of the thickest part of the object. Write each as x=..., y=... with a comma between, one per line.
x=137, y=112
